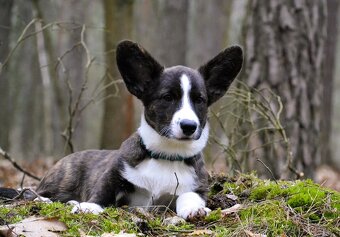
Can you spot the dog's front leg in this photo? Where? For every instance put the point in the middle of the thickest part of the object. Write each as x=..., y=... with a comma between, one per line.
x=190, y=205
x=102, y=195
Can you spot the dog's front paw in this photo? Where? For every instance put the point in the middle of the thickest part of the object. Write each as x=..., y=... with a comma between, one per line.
x=42, y=199
x=192, y=213
x=85, y=207
x=190, y=205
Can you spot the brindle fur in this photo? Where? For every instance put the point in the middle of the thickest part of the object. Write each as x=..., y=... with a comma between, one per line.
x=95, y=175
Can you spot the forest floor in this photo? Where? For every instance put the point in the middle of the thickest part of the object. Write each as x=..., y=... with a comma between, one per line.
x=242, y=206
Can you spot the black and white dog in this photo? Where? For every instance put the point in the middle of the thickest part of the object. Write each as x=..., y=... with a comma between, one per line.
x=162, y=163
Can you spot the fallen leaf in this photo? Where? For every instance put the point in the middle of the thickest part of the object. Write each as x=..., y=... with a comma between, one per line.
x=201, y=232
x=120, y=234
x=174, y=220
x=232, y=209
x=34, y=227
x=232, y=197
x=251, y=234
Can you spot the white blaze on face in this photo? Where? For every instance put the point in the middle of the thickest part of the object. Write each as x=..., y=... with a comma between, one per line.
x=185, y=111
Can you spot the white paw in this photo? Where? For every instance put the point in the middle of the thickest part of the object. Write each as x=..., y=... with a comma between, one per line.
x=85, y=207
x=42, y=199
x=190, y=205
x=191, y=213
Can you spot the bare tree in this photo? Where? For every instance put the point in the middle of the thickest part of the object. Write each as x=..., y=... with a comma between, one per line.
x=328, y=79
x=206, y=35
x=118, y=120
x=5, y=27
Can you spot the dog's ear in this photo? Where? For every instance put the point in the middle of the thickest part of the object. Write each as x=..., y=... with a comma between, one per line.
x=220, y=72
x=137, y=67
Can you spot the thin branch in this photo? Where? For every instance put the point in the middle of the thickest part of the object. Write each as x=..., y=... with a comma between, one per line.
x=268, y=170
x=15, y=164
x=76, y=109
x=175, y=192
x=20, y=39
x=22, y=181
x=25, y=36
x=22, y=192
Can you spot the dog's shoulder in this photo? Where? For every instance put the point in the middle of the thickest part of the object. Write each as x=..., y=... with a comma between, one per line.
x=131, y=151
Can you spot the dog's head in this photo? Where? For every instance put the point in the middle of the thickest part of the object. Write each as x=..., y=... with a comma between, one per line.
x=176, y=99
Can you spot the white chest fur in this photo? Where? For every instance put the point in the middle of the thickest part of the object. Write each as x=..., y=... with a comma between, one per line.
x=158, y=178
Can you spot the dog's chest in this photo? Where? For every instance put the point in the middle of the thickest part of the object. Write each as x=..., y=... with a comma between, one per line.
x=160, y=177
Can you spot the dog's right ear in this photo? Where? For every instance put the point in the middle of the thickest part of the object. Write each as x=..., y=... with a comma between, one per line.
x=220, y=72
x=137, y=67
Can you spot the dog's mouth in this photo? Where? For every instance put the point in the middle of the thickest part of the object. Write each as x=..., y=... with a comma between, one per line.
x=169, y=133
x=189, y=138
x=183, y=137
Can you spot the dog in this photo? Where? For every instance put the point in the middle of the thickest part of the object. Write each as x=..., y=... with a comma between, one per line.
x=162, y=162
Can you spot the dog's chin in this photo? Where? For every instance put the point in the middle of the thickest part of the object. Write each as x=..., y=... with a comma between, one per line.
x=183, y=137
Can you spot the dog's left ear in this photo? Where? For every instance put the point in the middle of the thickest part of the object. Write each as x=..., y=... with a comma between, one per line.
x=137, y=67
x=220, y=72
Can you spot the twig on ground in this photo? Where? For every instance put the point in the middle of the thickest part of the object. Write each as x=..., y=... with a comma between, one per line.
x=21, y=194
x=268, y=170
x=299, y=174
x=15, y=164
x=22, y=181
x=175, y=192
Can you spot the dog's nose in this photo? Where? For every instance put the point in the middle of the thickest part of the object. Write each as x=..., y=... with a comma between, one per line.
x=188, y=126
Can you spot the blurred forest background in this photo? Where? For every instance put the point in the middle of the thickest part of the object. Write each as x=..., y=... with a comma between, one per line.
x=60, y=90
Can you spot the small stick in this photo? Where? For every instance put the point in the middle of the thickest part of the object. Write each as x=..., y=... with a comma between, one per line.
x=267, y=169
x=15, y=164
x=174, y=195
x=22, y=181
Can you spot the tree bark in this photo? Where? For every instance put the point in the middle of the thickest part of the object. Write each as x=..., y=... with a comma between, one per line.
x=118, y=121
x=27, y=133
x=161, y=27
x=5, y=28
x=57, y=94
x=171, y=33
x=285, y=46
x=328, y=80
x=201, y=46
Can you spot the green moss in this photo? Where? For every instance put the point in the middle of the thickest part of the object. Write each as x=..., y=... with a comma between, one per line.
x=285, y=207
x=111, y=220
x=232, y=188
x=214, y=215
x=268, y=218
x=305, y=194
x=12, y=215
x=281, y=208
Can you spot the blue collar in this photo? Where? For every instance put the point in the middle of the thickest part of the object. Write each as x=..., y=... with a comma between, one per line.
x=161, y=156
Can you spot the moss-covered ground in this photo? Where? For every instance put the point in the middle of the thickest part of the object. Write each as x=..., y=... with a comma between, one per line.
x=269, y=208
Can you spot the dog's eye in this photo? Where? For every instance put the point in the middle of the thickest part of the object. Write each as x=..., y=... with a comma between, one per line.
x=199, y=100
x=168, y=97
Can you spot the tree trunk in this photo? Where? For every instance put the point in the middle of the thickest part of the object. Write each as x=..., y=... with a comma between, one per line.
x=57, y=94
x=27, y=135
x=328, y=80
x=5, y=118
x=171, y=33
x=201, y=46
x=284, y=50
x=118, y=122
